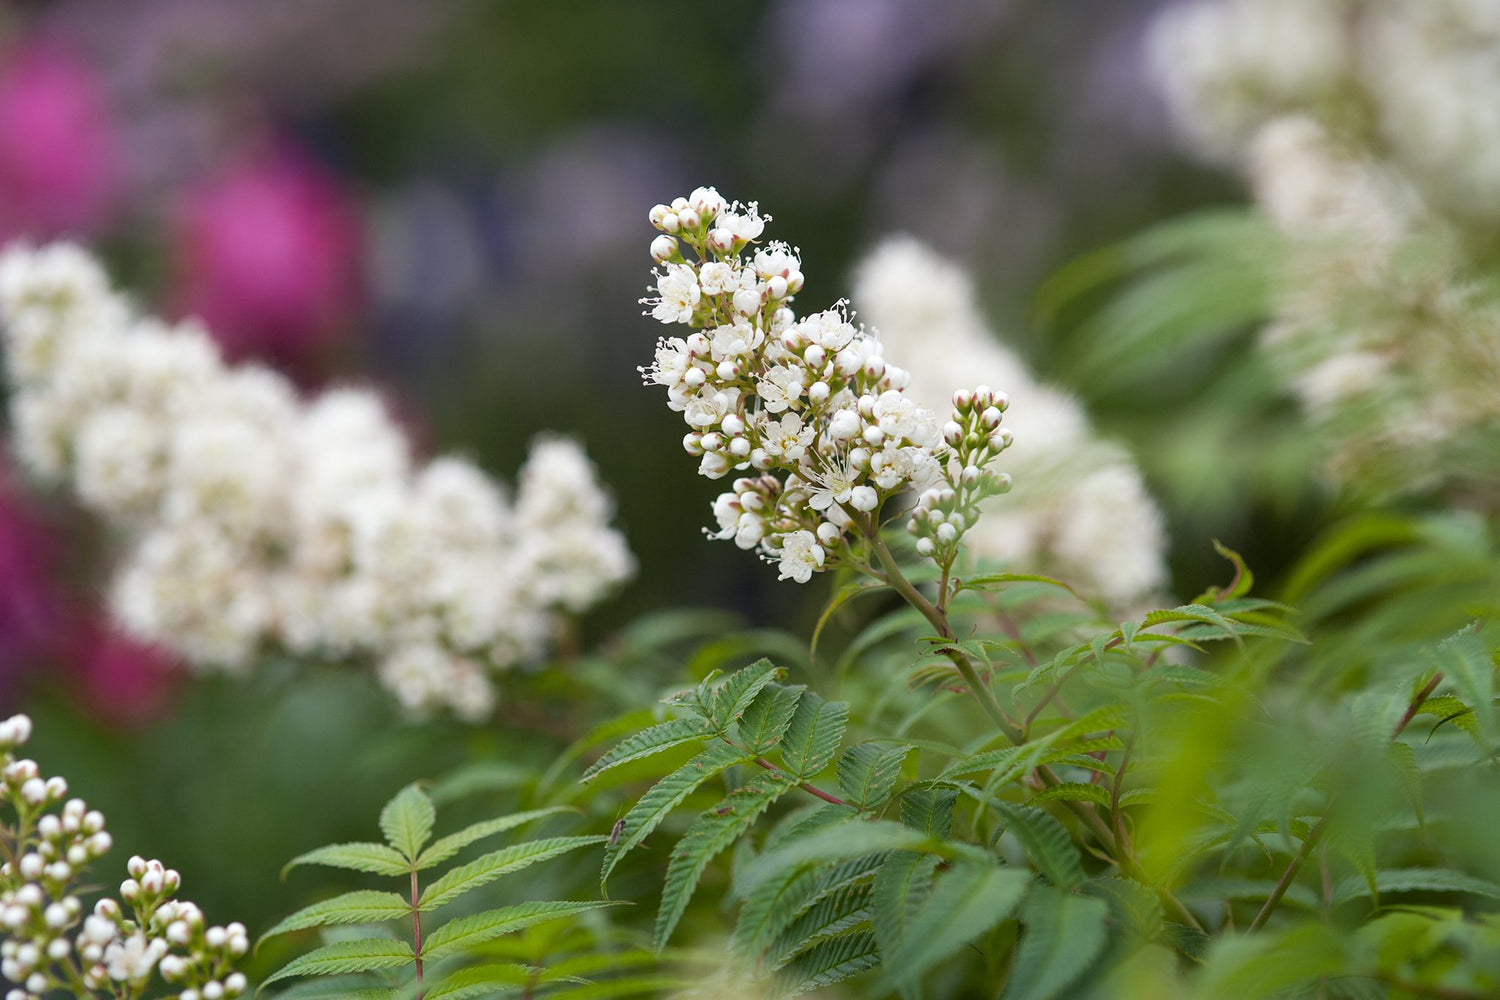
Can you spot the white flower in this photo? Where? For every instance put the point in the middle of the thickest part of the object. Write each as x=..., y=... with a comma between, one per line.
x=781, y=387
x=717, y=278
x=678, y=287
x=787, y=438
x=132, y=960
x=801, y=556
x=829, y=329
x=734, y=340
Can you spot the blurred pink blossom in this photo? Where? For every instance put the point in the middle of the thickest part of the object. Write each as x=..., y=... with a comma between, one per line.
x=31, y=603
x=267, y=252
x=123, y=681
x=59, y=168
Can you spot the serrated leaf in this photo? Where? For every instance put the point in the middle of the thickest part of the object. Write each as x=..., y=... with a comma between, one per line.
x=485, y=869
x=466, y=932
x=1073, y=791
x=1415, y=880
x=835, y=913
x=1047, y=843
x=355, y=987
x=848, y=840
x=728, y=700
x=446, y=847
x=378, y=859
x=830, y=962
x=652, y=740
x=481, y=981
x=407, y=820
x=964, y=903
x=900, y=886
x=867, y=774
x=713, y=831
x=929, y=810
x=364, y=955
x=362, y=907
x=664, y=796
x=765, y=722
x=1466, y=662
x=1062, y=935
x=814, y=735
x=773, y=903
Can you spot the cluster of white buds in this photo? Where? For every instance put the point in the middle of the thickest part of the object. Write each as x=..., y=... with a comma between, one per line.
x=810, y=405
x=48, y=945
x=254, y=521
x=974, y=436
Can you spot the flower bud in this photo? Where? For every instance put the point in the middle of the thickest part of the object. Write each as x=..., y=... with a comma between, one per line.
x=706, y=201
x=815, y=357
x=794, y=282
x=694, y=378
x=664, y=247
x=720, y=241
x=689, y=219
x=727, y=370
x=1001, y=482
x=792, y=341
x=970, y=475
x=740, y=447
x=864, y=498
x=697, y=345
x=952, y=433
x=990, y=417
x=874, y=436
x=844, y=425
x=828, y=533
x=746, y=301
x=659, y=215
x=875, y=367
x=1002, y=438
x=776, y=287
x=817, y=392
x=712, y=441
x=946, y=533
x=671, y=222
x=925, y=547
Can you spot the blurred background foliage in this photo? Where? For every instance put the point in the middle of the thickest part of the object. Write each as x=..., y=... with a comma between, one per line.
x=448, y=199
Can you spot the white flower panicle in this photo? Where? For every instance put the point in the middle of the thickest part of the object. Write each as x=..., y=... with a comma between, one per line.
x=808, y=407
x=49, y=944
x=1370, y=130
x=1080, y=508
x=253, y=521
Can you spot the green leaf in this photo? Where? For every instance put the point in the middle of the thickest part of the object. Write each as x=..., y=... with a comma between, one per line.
x=1415, y=880
x=482, y=981
x=466, y=932
x=831, y=962
x=1047, y=843
x=849, y=840
x=1063, y=935
x=1465, y=660
x=363, y=955
x=839, y=903
x=485, y=869
x=362, y=907
x=867, y=774
x=407, y=820
x=375, y=858
x=655, y=739
x=964, y=903
x=765, y=722
x=713, y=831
x=729, y=700
x=901, y=884
x=929, y=810
x=773, y=903
x=446, y=847
x=1073, y=791
x=355, y=987
x=816, y=730
x=664, y=796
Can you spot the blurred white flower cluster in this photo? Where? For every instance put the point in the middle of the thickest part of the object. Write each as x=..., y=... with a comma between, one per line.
x=47, y=944
x=809, y=405
x=1370, y=130
x=1080, y=508
x=252, y=521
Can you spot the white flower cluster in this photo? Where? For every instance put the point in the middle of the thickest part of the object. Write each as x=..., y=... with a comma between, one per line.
x=1080, y=508
x=47, y=944
x=253, y=520
x=1371, y=133
x=809, y=406
x=1418, y=81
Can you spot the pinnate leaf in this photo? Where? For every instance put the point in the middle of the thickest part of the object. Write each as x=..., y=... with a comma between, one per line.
x=654, y=739
x=407, y=820
x=816, y=730
x=362, y=907
x=445, y=847
x=377, y=859
x=363, y=955
x=485, y=869
x=466, y=932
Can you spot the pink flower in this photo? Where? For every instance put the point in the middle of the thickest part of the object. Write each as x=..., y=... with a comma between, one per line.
x=267, y=254
x=123, y=681
x=31, y=603
x=59, y=168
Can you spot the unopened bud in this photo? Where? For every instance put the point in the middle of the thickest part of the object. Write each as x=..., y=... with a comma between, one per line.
x=664, y=247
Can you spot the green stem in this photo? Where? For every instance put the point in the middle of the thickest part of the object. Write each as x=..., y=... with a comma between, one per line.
x=416, y=931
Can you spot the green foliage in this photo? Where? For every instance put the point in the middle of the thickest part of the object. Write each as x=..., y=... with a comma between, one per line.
x=442, y=958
